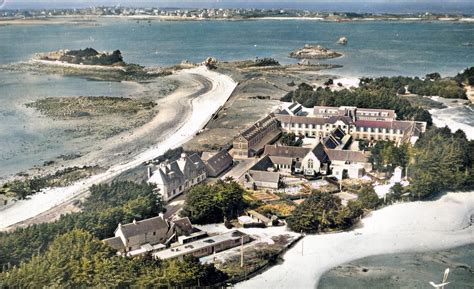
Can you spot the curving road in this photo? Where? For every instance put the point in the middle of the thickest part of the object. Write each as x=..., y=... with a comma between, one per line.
x=182, y=114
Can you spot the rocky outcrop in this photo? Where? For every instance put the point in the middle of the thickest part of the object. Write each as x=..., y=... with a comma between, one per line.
x=314, y=52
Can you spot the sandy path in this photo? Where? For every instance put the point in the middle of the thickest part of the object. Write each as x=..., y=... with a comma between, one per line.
x=181, y=116
x=407, y=227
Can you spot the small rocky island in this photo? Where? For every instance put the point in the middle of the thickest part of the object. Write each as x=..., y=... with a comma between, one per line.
x=314, y=52
x=88, y=56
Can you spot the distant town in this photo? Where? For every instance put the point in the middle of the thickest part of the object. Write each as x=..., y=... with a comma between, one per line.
x=231, y=14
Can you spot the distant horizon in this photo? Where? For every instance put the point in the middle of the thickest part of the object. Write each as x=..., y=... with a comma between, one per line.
x=459, y=7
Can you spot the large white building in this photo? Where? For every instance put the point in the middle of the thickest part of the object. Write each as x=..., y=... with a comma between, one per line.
x=360, y=123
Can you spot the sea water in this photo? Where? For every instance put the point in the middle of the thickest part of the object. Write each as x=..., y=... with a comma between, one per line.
x=374, y=49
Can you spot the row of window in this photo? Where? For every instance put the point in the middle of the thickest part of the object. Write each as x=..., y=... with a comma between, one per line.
x=181, y=187
x=344, y=127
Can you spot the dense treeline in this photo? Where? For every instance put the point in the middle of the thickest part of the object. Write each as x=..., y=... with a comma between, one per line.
x=384, y=98
x=107, y=206
x=432, y=85
x=386, y=155
x=442, y=161
x=439, y=161
x=79, y=260
x=322, y=212
x=206, y=204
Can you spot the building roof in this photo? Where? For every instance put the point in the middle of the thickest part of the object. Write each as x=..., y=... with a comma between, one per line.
x=281, y=160
x=348, y=156
x=144, y=226
x=396, y=124
x=252, y=131
x=345, y=119
x=301, y=119
x=115, y=243
x=189, y=248
x=218, y=162
x=184, y=224
x=263, y=176
x=286, y=151
x=263, y=164
x=320, y=153
x=175, y=171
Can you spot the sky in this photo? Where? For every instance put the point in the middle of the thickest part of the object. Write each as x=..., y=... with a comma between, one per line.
x=401, y=6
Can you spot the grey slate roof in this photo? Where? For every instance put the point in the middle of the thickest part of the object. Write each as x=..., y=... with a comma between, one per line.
x=144, y=226
x=320, y=153
x=286, y=151
x=115, y=243
x=218, y=163
x=348, y=156
x=262, y=176
x=250, y=132
x=184, y=224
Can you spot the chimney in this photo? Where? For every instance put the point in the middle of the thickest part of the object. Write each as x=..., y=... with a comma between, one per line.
x=149, y=172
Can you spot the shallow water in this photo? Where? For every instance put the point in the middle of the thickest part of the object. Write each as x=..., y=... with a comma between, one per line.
x=375, y=48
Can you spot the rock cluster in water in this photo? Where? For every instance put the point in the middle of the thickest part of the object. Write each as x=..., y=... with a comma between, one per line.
x=314, y=52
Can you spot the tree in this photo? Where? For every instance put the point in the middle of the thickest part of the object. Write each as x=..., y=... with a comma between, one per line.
x=214, y=203
x=290, y=139
x=442, y=160
x=319, y=212
x=78, y=260
x=368, y=198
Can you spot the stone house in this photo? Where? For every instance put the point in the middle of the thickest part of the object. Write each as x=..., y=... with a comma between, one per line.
x=172, y=179
x=148, y=235
x=217, y=162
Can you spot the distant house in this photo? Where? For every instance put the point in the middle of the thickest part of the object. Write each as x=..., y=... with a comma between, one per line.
x=217, y=162
x=254, y=179
x=252, y=141
x=172, y=179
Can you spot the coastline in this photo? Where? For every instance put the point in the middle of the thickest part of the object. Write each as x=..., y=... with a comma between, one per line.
x=202, y=102
x=403, y=227
x=92, y=19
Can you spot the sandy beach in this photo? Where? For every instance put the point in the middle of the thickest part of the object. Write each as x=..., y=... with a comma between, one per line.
x=182, y=114
x=405, y=227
